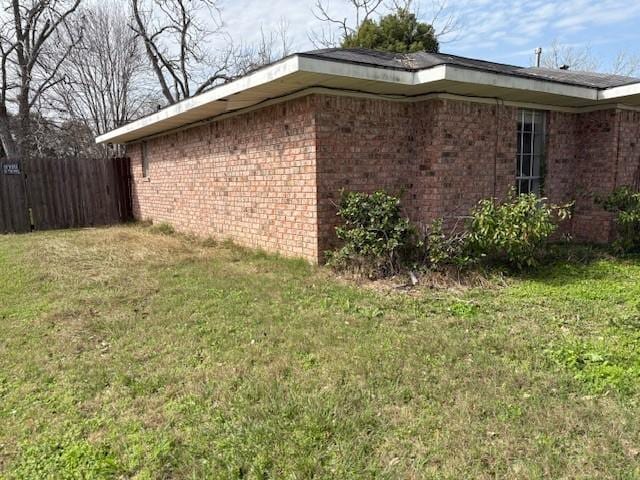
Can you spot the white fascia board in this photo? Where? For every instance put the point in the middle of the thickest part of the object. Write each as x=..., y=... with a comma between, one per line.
x=266, y=75
x=358, y=71
x=259, y=77
x=429, y=75
x=619, y=92
x=465, y=75
x=177, y=114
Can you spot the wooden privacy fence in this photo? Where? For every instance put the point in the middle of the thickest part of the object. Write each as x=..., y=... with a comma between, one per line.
x=45, y=193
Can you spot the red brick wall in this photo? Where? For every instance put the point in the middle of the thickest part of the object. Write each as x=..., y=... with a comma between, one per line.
x=562, y=141
x=470, y=155
x=628, y=171
x=363, y=145
x=595, y=167
x=270, y=178
x=560, y=179
x=442, y=156
x=590, y=154
x=249, y=178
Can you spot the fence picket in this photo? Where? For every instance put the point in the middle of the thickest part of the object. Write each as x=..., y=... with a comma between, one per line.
x=65, y=193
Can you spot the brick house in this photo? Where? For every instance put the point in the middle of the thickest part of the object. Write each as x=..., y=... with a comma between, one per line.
x=261, y=159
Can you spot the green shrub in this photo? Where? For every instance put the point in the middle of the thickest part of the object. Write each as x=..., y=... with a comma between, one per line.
x=376, y=238
x=445, y=249
x=513, y=230
x=624, y=202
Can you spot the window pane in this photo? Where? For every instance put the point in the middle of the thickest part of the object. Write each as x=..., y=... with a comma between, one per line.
x=145, y=159
x=535, y=186
x=538, y=143
x=535, y=168
x=531, y=143
x=519, y=143
x=527, y=142
x=526, y=165
x=527, y=121
x=539, y=123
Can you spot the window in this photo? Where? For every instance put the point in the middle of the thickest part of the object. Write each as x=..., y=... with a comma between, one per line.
x=145, y=160
x=531, y=144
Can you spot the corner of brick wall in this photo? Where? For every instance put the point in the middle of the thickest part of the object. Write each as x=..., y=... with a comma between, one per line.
x=440, y=156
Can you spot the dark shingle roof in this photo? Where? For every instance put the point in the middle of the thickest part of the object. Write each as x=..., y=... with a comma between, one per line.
x=588, y=79
x=422, y=60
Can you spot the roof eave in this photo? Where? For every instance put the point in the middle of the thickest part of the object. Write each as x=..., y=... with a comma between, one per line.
x=299, y=72
x=628, y=94
x=179, y=112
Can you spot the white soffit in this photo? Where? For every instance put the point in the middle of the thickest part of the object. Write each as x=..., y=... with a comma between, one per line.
x=298, y=72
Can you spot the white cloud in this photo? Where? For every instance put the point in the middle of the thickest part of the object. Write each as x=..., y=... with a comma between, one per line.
x=501, y=27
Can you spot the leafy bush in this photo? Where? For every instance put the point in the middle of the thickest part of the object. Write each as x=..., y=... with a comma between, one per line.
x=625, y=203
x=514, y=230
x=376, y=238
x=445, y=249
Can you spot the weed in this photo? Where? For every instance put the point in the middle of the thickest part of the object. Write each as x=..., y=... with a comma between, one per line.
x=162, y=229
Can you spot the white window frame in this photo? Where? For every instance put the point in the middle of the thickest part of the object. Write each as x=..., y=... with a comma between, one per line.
x=530, y=181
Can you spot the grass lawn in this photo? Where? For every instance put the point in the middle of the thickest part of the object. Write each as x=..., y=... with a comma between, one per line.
x=125, y=353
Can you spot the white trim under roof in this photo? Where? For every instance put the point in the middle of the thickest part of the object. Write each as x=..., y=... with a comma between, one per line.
x=166, y=115
x=299, y=72
x=390, y=98
x=632, y=90
x=477, y=77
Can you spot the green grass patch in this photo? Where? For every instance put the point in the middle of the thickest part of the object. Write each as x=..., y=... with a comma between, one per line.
x=64, y=457
x=130, y=353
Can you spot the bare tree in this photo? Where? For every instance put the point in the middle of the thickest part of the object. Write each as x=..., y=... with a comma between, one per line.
x=559, y=55
x=69, y=138
x=271, y=46
x=440, y=15
x=626, y=64
x=105, y=77
x=177, y=38
x=336, y=29
x=29, y=34
x=326, y=37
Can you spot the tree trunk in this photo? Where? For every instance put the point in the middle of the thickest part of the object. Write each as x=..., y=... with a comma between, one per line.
x=23, y=133
x=8, y=142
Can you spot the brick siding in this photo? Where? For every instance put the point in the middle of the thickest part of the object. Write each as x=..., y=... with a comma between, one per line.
x=270, y=178
x=249, y=178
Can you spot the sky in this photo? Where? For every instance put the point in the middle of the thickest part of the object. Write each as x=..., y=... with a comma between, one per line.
x=498, y=30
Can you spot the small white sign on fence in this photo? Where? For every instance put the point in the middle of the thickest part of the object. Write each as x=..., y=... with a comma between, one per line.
x=11, y=168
